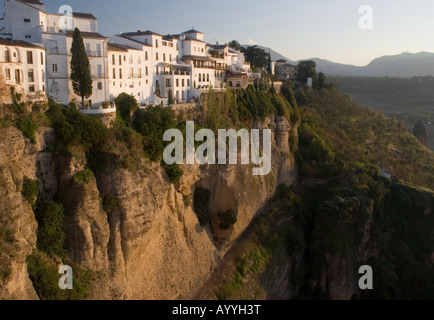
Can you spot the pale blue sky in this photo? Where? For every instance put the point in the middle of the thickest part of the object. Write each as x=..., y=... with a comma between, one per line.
x=327, y=29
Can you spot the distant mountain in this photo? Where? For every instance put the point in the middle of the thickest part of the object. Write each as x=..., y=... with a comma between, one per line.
x=401, y=65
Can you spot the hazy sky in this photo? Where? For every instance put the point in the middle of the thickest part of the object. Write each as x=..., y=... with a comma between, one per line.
x=327, y=29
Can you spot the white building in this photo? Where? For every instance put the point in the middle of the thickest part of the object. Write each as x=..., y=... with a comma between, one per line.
x=27, y=20
x=150, y=66
x=23, y=66
x=183, y=64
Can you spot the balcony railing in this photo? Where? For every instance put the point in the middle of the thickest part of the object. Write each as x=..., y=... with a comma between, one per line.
x=98, y=76
x=91, y=53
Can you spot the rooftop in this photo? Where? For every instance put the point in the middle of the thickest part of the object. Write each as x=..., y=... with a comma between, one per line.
x=193, y=31
x=83, y=15
x=18, y=43
x=36, y=2
x=141, y=33
x=95, y=35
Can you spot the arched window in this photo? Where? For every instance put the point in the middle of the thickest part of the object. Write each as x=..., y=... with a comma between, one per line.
x=207, y=77
x=200, y=77
x=203, y=77
x=7, y=55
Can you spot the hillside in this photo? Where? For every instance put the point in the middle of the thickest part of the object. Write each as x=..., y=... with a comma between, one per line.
x=408, y=100
x=310, y=244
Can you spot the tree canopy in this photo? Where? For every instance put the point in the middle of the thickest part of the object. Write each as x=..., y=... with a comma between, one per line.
x=306, y=69
x=256, y=56
x=235, y=45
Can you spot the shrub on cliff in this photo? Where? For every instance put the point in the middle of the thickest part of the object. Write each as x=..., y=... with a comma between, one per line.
x=50, y=235
x=201, y=205
x=152, y=123
x=228, y=219
x=84, y=176
x=125, y=106
x=173, y=171
x=30, y=189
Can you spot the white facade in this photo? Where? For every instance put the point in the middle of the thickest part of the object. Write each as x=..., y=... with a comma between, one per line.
x=145, y=64
x=28, y=21
x=23, y=66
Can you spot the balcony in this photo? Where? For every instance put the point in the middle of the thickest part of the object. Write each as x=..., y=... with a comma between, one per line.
x=98, y=76
x=91, y=53
x=135, y=75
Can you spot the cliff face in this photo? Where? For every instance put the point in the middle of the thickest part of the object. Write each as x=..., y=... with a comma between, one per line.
x=134, y=228
x=18, y=158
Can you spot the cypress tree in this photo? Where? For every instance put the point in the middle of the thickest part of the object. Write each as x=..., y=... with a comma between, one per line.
x=80, y=71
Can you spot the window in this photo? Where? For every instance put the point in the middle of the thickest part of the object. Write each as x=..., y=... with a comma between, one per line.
x=98, y=50
x=200, y=77
x=120, y=60
x=146, y=55
x=55, y=87
x=125, y=58
x=42, y=59
x=120, y=75
x=32, y=88
x=43, y=75
x=113, y=59
x=114, y=73
x=99, y=70
x=29, y=57
x=54, y=67
x=27, y=20
x=156, y=56
x=8, y=74
x=170, y=58
x=207, y=77
x=8, y=55
x=28, y=36
x=147, y=73
x=31, y=75
x=146, y=81
x=188, y=82
x=168, y=84
x=156, y=43
x=139, y=73
x=17, y=76
x=177, y=82
x=183, y=82
x=202, y=49
x=164, y=44
x=99, y=85
x=164, y=57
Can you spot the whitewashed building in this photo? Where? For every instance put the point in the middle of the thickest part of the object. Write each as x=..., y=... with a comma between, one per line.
x=27, y=20
x=23, y=66
x=154, y=68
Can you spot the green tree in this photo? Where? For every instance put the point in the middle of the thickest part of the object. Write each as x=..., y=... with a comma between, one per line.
x=256, y=56
x=80, y=71
x=235, y=45
x=269, y=64
x=320, y=81
x=126, y=104
x=306, y=69
x=170, y=97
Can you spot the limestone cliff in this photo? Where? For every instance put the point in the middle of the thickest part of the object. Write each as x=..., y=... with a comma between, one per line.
x=134, y=228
